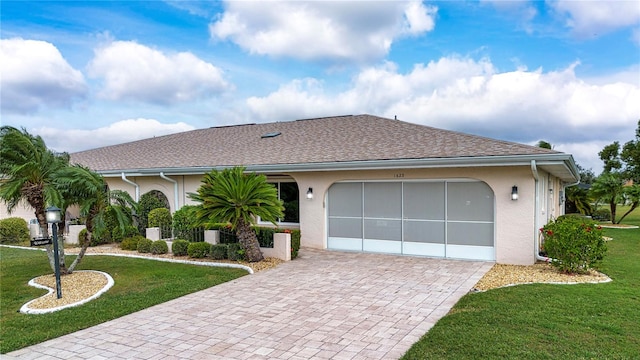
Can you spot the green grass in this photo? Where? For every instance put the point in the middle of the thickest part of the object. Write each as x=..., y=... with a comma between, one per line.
x=588, y=321
x=139, y=284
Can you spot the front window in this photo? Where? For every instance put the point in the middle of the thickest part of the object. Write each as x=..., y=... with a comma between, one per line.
x=289, y=194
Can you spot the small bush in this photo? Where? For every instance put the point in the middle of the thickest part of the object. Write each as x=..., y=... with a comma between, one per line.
x=219, y=251
x=118, y=235
x=179, y=247
x=235, y=252
x=574, y=244
x=265, y=236
x=95, y=239
x=602, y=215
x=131, y=243
x=159, y=247
x=144, y=245
x=198, y=250
x=161, y=217
x=295, y=243
x=13, y=230
x=184, y=224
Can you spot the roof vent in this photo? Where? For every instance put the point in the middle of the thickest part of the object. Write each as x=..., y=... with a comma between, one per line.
x=270, y=135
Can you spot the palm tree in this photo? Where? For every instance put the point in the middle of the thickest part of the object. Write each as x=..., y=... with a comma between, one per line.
x=89, y=190
x=631, y=194
x=578, y=200
x=609, y=187
x=233, y=197
x=27, y=171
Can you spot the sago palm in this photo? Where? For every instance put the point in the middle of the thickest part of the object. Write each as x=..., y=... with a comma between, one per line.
x=80, y=185
x=27, y=173
x=238, y=198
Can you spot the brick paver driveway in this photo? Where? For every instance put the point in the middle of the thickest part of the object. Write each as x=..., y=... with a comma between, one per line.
x=324, y=305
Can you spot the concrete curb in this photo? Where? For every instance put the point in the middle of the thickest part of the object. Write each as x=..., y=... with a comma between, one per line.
x=25, y=309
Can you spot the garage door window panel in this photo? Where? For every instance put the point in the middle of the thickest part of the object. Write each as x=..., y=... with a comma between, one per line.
x=469, y=201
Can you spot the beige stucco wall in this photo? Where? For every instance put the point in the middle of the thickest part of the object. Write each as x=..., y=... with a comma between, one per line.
x=514, y=220
x=515, y=229
x=23, y=210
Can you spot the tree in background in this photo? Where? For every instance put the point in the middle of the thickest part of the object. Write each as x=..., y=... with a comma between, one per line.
x=233, y=197
x=619, y=182
x=545, y=145
x=577, y=196
x=630, y=155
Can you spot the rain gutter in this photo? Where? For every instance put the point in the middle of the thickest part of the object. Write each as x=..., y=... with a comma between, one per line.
x=175, y=190
x=124, y=178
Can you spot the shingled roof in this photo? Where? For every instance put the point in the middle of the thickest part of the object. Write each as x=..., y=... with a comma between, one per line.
x=340, y=139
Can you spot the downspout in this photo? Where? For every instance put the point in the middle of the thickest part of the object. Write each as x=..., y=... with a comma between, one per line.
x=534, y=170
x=124, y=178
x=175, y=190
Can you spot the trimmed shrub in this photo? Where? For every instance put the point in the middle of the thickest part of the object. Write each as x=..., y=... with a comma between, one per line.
x=184, y=224
x=574, y=244
x=295, y=243
x=95, y=239
x=148, y=201
x=13, y=230
x=179, y=247
x=235, y=252
x=161, y=218
x=144, y=245
x=159, y=247
x=219, y=251
x=118, y=235
x=198, y=250
x=265, y=236
x=602, y=215
x=131, y=243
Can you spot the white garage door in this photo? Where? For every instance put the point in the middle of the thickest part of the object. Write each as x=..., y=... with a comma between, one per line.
x=453, y=219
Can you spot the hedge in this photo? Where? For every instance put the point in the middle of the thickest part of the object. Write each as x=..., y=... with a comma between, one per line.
x=13, y=230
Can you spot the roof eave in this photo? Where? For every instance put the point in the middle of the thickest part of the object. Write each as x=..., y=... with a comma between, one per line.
x=559, y=164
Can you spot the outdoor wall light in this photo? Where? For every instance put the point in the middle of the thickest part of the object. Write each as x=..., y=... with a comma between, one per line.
x=310, y=193
x=54, y=216
x=514, y=192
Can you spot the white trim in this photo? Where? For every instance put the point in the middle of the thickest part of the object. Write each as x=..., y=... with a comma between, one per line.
x=338, y=243
x=382, y=246
x=470, y=252
x=423, y=249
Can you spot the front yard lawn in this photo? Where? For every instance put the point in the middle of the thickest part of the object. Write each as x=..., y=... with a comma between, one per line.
x=539, y=321
x=139, y=284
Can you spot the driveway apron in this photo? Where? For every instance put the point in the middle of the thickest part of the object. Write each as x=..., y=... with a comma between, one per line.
x=323, y=305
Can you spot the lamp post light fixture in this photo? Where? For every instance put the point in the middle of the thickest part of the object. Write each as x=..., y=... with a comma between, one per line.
x=514, y=192
x=310, y=193
x=54, y=216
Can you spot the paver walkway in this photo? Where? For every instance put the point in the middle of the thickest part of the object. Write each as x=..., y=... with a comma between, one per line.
x=323, y=305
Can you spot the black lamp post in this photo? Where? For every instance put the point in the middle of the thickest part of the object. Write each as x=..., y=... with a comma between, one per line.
x=53, y=217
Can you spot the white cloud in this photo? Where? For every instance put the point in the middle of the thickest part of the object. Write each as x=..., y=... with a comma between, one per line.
x=136, y=72
x=72, y=140
x=471, y=96
x=35, y=75
x=594, y=18
x=635, y=36
x=419, y=18
x=585, y=153
x=341, y=30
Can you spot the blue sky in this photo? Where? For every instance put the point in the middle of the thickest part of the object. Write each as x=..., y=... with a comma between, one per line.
x=84, y=74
